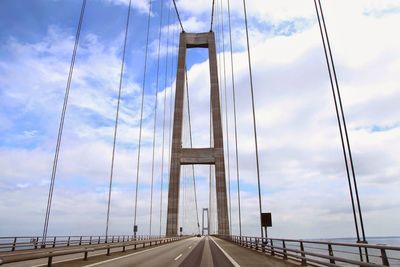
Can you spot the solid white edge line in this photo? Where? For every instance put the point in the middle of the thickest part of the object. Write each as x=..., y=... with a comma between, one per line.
x=122, y=257
x=177, y=258
x=226, y=254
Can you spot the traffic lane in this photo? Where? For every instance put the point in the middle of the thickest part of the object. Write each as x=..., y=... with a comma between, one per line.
x=219, y=258
x=194, y=257
x=167, y=255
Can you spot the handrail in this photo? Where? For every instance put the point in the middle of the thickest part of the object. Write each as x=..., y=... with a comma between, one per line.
x=324, y=255
x=35, y=242
x=25, y=255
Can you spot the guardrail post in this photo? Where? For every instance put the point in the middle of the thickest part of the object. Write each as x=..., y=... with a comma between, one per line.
x=272, y=248
x=14, y=244
x=247, y=244
x=69, y=240
x=303, y=260
x=108, y=251
x=90, y=240
x=385, y=260
x=49, y=261
x=112, y=240
x=285, y=257
x=331, y=253
x=118, y=239
x=36, y=242
x=263, y=244
x=54, y=242
x=80, y=241
x=85, y=258
x=99, y=240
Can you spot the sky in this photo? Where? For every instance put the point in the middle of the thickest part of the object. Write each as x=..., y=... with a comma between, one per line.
x=303, y=178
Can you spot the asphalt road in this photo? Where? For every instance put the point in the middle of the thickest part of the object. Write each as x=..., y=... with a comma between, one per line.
x=191, y=252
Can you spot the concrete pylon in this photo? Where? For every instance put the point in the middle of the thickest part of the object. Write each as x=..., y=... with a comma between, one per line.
x=187, y=156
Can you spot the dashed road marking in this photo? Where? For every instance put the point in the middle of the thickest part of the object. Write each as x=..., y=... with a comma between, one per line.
x=177, y=258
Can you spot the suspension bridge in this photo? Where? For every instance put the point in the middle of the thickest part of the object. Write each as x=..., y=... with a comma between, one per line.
x=211, y=240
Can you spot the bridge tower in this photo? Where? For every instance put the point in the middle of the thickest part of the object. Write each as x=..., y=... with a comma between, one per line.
x=188, y=156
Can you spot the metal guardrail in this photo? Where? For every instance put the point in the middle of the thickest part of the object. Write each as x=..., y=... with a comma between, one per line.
x=33, y=242
x=74, y=245
x=322, y=253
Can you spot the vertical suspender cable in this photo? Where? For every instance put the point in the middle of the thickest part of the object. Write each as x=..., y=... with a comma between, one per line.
x=235, y=119
x=191, y=146
x=171, y=104
x=345, y=127
x=210, y=177
x=226, y=118
x=155, y=117
x=116, y=119
x=336, y=91
x=141, y=119
x=254, y=113
x=164, y=118
x=61, y=126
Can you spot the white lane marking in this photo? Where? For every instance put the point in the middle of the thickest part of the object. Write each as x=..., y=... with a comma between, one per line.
x=190, y=247
x=122, y=257
x=177, y=258
x=226, y=254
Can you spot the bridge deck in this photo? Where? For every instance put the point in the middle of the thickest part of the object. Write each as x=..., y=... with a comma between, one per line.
x=189, y=252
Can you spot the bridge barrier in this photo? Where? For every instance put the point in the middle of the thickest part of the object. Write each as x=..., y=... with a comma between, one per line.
x=321, y=253
x=68, y=248
x=35, y=242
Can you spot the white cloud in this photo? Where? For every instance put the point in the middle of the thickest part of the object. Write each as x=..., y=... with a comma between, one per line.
x=303, y=177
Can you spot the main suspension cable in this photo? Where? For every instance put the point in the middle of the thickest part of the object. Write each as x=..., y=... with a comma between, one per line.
x=235, y=119
x=141, y=120
x=212, y=15
x=116, y=118
x=155, y=116
x=254, y=113
x=61, y=126
x=177, y=14
x=164, y=118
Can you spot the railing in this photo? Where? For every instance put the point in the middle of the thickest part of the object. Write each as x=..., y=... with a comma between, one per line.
x=34, y=242
x=322, y=253
x=20, y=250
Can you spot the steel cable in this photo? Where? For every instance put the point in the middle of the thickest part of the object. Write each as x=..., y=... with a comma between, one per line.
x=177, y=14
x=116, y=118
x=212, y=15
x=335, y=90
x=61, y=126
x=226, y=117
x=164, y=118
x=235, y=119
x=155, y=117
x=191, y=146
x=254, y=113
x=141, y=119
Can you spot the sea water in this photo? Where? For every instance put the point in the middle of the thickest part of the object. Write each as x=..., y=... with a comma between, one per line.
x=353, y=253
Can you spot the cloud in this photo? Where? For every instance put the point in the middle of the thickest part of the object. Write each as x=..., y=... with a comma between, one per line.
x=302, y=171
